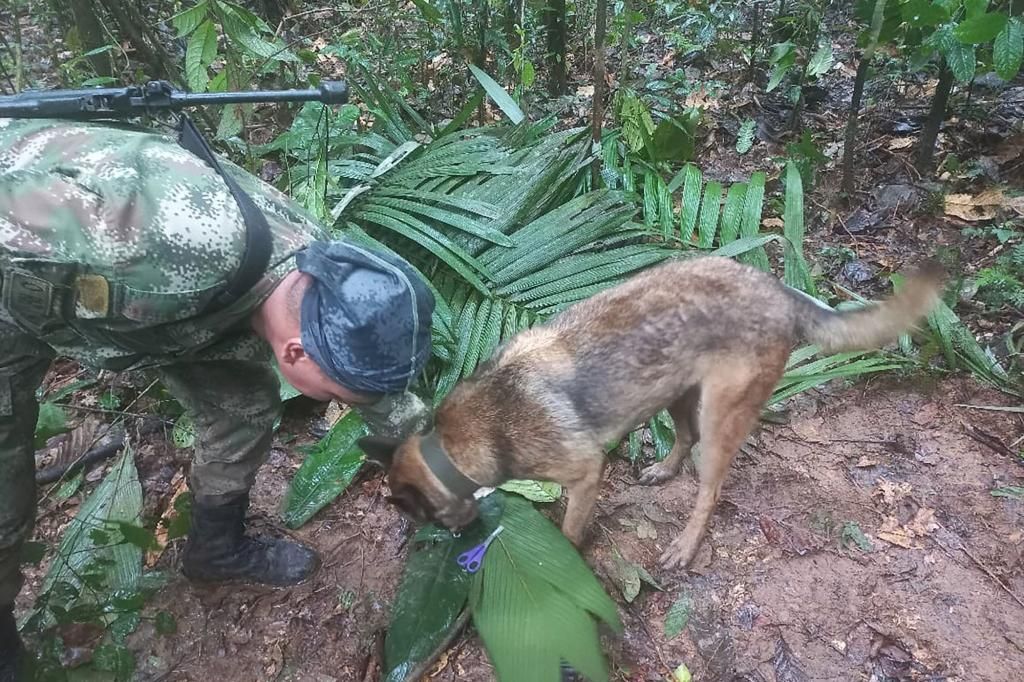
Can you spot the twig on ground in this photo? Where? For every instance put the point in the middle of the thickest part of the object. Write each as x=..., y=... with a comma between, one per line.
x=977, y=562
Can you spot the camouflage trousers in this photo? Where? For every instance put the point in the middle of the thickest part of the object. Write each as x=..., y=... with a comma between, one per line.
x=233, y=405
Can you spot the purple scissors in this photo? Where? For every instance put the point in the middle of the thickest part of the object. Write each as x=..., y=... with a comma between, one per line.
x=472, y=559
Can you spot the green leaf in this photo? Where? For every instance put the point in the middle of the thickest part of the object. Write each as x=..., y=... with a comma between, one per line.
x=924, y=13
x=189, y=20
x=691, y=201
x=230, y=123
x=70, y=486
x=432, y=594
x=709, y=209
x=1008, y=49
x=1015, y=492
x=165, y=623
x=980, y=29
x=534, y=601
x=498, y=94
x=745, y=137
x=678, y=616
x=116, y=659
x=288, y=391
x=32, y=553
x=200, y=53
x=961, y=59
x=124, y=625
x=430, y=14
x=118, y=498
x=821, y=61
x=797, y=274
x=535, y=491
x=183, y=435
x=137, y=535
x=240, y=26
x=750, y=223
x=732, y=214
x=673, y=140
x=853, y=533
x=782, y=59
x=326, y=471
x=52, y=421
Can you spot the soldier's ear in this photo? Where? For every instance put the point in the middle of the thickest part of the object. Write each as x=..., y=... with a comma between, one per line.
x=379, y=450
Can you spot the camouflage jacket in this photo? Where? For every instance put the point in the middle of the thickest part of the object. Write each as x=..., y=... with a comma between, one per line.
x=112, y=239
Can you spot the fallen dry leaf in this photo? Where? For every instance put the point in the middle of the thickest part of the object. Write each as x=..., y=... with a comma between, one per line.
x=901, y=143
x=1011, y=148
x=983, y=206
x=894, y=534
x=865, y=462
x=892, y=493
x=921, y=525
x=585, y=91
x=180, y=485
x=773, y=222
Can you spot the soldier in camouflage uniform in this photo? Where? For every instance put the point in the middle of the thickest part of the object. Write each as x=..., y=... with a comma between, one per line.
x=112, y=242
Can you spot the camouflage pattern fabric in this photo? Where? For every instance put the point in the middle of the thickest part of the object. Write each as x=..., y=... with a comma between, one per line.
x=112, y=240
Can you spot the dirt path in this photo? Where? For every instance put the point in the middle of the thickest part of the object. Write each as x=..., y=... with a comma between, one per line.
x=781, y=591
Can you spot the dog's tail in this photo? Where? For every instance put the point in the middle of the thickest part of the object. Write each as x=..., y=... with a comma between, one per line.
x=874, y=325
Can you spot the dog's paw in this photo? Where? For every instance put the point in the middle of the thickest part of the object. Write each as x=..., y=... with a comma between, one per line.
x=658, y=473
x=678, y=555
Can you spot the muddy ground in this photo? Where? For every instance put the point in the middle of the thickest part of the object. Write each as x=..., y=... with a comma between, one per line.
x=785, y=587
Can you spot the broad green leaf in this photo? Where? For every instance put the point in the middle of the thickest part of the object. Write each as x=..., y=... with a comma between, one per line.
x=924, y=13
x=821, y=61
x=326, y=472
x=744, y=245
x=673, y=139
x=498, y=94
x=678, y=616
x=183, y=435
x=118, y=498
x=432, y=594
x=750, y=223
x=1015, y=492
x=535, y=491
x=691, y=202
x=431, y=14
x=189, y=20
x=137, y=535
x=732, y=214
x=745, y=137
x=961, y=59
x=1008, y=49
x=980, y=29
x=782, y=59
x=709, y=210
x=52, y=421
x=796, y=272
x=853, y=533
x=200, y=53
x=535, y=599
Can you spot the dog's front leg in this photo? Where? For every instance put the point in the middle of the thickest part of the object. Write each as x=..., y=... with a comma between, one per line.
x=582, y=497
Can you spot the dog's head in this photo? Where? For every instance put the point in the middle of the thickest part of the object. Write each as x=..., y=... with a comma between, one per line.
x=415, y=489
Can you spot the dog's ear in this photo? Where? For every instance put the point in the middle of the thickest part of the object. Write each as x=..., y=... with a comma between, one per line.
x=379, y=450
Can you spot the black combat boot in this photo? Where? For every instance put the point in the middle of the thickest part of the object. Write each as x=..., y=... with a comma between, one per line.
x=12, y=653
x=217, y=549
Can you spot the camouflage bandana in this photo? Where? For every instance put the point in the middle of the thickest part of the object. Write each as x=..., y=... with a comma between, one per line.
x=365, y=317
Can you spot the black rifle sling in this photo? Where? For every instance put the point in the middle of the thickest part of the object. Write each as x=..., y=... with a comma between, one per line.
x=258, y=240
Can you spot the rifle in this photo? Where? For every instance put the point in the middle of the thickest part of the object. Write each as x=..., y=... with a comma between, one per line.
x=154, y=96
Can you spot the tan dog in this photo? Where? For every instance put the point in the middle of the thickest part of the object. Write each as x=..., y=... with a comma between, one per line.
x=707, y=339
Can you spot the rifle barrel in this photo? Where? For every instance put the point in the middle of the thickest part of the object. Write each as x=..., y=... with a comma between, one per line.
x=134, y=100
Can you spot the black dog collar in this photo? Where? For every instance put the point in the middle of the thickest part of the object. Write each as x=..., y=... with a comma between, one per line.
x=441, y=465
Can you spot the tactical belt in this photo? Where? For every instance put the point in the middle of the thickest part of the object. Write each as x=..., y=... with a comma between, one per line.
x=258, y=241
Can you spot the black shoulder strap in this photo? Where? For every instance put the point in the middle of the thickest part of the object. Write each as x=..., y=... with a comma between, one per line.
x=258, y=240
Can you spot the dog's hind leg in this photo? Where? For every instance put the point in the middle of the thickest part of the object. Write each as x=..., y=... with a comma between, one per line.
x=684, y=415
x=582, y=494
x=732, y=401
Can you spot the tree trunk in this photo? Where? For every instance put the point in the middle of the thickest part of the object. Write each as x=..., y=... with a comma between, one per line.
x=850, y=143
x=19, y=64
x=90, y=32
x=554, y=20
x=937, y=114
x=624, y=50
x=597, y=118
x=510, y=20
x=755, y=38
x=480, y=58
